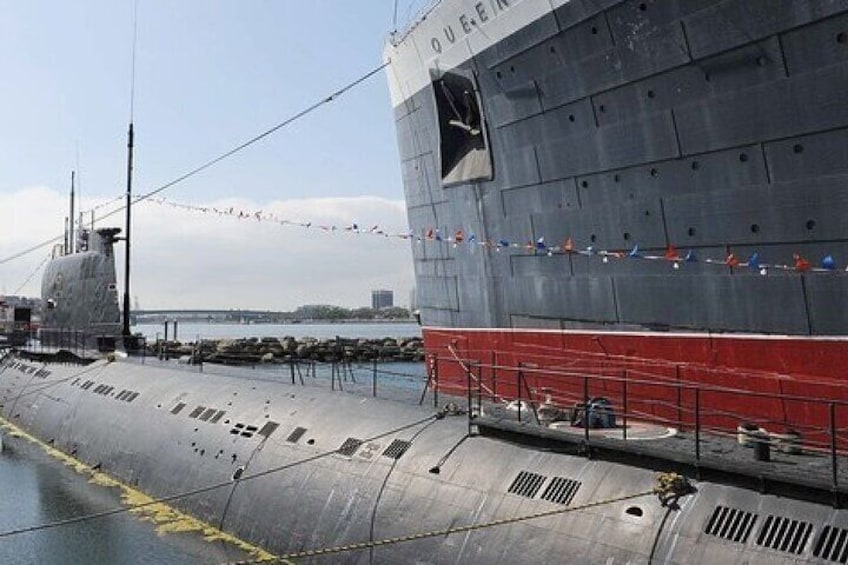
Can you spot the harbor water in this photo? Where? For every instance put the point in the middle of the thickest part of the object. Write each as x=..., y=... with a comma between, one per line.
x=39, y=489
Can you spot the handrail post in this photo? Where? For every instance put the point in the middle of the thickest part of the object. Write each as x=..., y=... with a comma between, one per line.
x=519, y=376
x=494, y=375
x=586, y=408
x=374, y=379
x=698, y=424
x=479, y=388
x=436, y=382
x=833, y=467
x=468, y=395
x=679, y=397
x=624, y=401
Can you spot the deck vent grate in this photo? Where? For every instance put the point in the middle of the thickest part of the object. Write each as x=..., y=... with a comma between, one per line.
x=268, y=429
x=561, y=490
x=178, y=408
x=197, y=411
x=397, y=448
x=296, y=434
x=132, y=396
x=217, y=417
x=785, y=534
x=526, y=484
x=832, y=545
x=349, y=447
x=206, y=414
x=731, y=524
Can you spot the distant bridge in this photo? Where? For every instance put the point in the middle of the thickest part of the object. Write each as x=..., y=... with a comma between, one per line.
x=161, y=316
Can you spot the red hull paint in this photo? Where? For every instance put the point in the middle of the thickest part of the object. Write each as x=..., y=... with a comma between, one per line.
x=758, y=378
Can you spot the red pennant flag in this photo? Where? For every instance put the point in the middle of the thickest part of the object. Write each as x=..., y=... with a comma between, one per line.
x=801, y=264
x=459, y=237
x=430, y=233
x=731, y=261
x=671, y=254
x=569, y=245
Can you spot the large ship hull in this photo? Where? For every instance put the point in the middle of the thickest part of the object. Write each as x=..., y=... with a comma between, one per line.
x=660, y=181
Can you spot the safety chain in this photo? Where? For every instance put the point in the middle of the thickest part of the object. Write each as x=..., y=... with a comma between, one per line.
x=669, y=485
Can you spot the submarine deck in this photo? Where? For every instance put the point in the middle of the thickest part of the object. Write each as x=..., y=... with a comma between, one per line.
x=802, y=471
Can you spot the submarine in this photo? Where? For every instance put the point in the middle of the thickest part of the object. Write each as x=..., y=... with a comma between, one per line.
x=314, y=474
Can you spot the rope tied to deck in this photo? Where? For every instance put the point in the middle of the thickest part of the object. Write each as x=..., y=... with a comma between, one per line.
x=669, y=486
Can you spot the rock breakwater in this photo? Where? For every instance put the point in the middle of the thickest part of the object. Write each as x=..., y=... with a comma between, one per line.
x=248, y=351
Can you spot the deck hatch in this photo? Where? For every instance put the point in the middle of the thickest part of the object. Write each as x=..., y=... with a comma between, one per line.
x=526, y=484
x=832, y=545
x=197, y=411
x=731, y=524
x=784, y=534
x=397, y=448
x=178, y=408
x=561, y=490
x=296, y=434
x=349, y=447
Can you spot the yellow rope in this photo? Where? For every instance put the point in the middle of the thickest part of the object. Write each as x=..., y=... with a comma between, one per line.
x=667, y=483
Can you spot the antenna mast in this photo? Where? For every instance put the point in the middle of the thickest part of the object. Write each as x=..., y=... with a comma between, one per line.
x=130, y=144
x=70, y=247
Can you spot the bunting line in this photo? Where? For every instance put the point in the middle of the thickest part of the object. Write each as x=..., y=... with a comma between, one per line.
x=828, y=263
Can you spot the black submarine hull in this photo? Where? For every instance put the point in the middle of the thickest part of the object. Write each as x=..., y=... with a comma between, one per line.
x=320, y=469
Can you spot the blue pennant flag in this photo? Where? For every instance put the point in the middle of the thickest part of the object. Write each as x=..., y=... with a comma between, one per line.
x=635, y=252
x=503, y=243
x=690, y=257
x=540, y=243
x=472, y=238
x=828, y=263
x=754, y=260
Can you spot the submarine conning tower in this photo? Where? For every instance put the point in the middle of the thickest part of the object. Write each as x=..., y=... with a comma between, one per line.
x=79, y=294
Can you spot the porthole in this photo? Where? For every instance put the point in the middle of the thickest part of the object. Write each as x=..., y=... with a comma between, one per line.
x=616, y=178
x=498, y=74
x=635, y=511
x=706, y=77
x=310, y=441
x=841, y=37
x=755, y=228
x=761, y=61
x=584, y=183
x=798, y=148
x=594, y=30
x=651, y=94
x=743, y=157
x=691, y=232
x=602, y=108
x=643, y=7
x=571, y=117
x=511, y=69
x=626, y=236
x=593, y=238
x=811, y=224
x=696, y=165
x=654, y=173
x=553, y=50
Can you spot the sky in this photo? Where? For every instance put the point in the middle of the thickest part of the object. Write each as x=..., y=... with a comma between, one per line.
x=208, y=77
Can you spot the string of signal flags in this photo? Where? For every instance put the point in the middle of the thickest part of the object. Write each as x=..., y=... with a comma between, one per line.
x=676, y=259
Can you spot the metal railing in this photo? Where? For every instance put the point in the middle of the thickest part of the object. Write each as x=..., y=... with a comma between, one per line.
x=702, y=413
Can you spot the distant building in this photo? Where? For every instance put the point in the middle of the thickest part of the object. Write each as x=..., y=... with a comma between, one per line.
x=413, y=300
x=382, y=299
